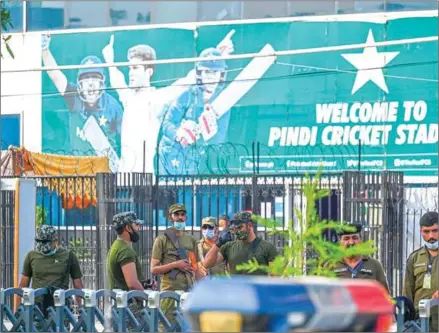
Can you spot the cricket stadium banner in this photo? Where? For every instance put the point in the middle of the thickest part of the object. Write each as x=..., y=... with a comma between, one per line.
x=369, y=108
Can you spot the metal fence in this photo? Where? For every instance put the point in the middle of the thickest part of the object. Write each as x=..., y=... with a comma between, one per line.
x=7, y=214
x=82, y=207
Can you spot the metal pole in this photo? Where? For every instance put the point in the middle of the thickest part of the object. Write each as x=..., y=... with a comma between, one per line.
x=102, y=192
x=233, y=57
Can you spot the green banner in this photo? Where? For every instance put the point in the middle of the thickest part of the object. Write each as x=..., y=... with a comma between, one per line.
x=372, y=108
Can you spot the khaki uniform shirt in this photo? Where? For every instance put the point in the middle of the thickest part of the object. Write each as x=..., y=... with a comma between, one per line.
x=414, y=289
x=164, y=251
x=203, y=249
x=368, y=269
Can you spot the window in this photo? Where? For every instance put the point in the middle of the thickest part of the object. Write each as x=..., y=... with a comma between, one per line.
x=369, y=6
x=131, y=12
x=395, y=5
x=10, y=131
x=310, y=7
x=45, y=15
x=16, y=11
x=175, y=11
x=260, y=9
x=219, y=10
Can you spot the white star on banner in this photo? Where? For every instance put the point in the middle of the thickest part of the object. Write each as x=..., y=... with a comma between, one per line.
x=103, y=121
x=175, y=162
x=370, y=65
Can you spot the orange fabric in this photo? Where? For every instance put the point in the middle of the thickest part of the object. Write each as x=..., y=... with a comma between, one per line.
x=76, y=192
x=193, y=260
x=59, y=165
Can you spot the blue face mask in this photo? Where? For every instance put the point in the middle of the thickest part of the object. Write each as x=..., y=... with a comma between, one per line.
x=209, y=234
x=51, y=253
x=432, y=246
x=180, y=226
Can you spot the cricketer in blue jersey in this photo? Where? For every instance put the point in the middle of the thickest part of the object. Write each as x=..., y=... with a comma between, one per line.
x=191, y=114
x=87, y=99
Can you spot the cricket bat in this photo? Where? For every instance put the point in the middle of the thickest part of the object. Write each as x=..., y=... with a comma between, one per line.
x=245, y=81
x=99, y=141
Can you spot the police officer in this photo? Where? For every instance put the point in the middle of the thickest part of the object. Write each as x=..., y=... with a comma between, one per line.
x=224, y=223
x=50, y=266
x=421, y=278
x=209, y=230
x=358, y=267
x=246, y=246
x=175, y=257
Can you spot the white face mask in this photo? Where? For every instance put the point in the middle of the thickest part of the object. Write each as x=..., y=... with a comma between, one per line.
x=432, y=246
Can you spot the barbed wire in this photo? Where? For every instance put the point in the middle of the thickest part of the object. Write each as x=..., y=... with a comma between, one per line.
x=318, y=71
x=199, y=159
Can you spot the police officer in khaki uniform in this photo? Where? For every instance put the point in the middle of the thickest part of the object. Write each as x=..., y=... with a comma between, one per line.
x=209, y=230
x=247, y=246
x=358, y=267
x=421, y=278
x=175, y=258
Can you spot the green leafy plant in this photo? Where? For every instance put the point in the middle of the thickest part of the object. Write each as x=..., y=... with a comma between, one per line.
x=78, y=247
x=307, y=251
x=6, y=25
x=41, y=216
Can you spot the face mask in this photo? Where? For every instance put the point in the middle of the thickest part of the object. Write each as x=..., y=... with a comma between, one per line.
x=134, y=236
x=242, y=234
x=432, y=246
x=180, y=225
x=50, y=253
x=209, y=234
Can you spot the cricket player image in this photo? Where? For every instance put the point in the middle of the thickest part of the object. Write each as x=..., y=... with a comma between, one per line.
x=200, y=116
x=95, y=117
x=144, y=104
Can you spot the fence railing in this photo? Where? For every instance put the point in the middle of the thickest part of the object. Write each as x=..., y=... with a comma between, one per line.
x=145, y=316
x=7, y=214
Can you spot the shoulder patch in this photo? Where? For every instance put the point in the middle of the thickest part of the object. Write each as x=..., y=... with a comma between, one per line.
x=420, y=265
x=413, y=255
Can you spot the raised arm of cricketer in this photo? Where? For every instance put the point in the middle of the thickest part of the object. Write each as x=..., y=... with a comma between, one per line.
x=235, y=91
x=117, y=78
x=99, y=141
x=172, y=92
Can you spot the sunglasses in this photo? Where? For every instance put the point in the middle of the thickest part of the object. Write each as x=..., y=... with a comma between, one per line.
x=206, y=226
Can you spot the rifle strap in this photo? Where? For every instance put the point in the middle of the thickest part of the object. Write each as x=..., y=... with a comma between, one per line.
x=170, y=234
x=253, y=246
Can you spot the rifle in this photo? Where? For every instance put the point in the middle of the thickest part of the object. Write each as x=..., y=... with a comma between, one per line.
x=181, y=253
